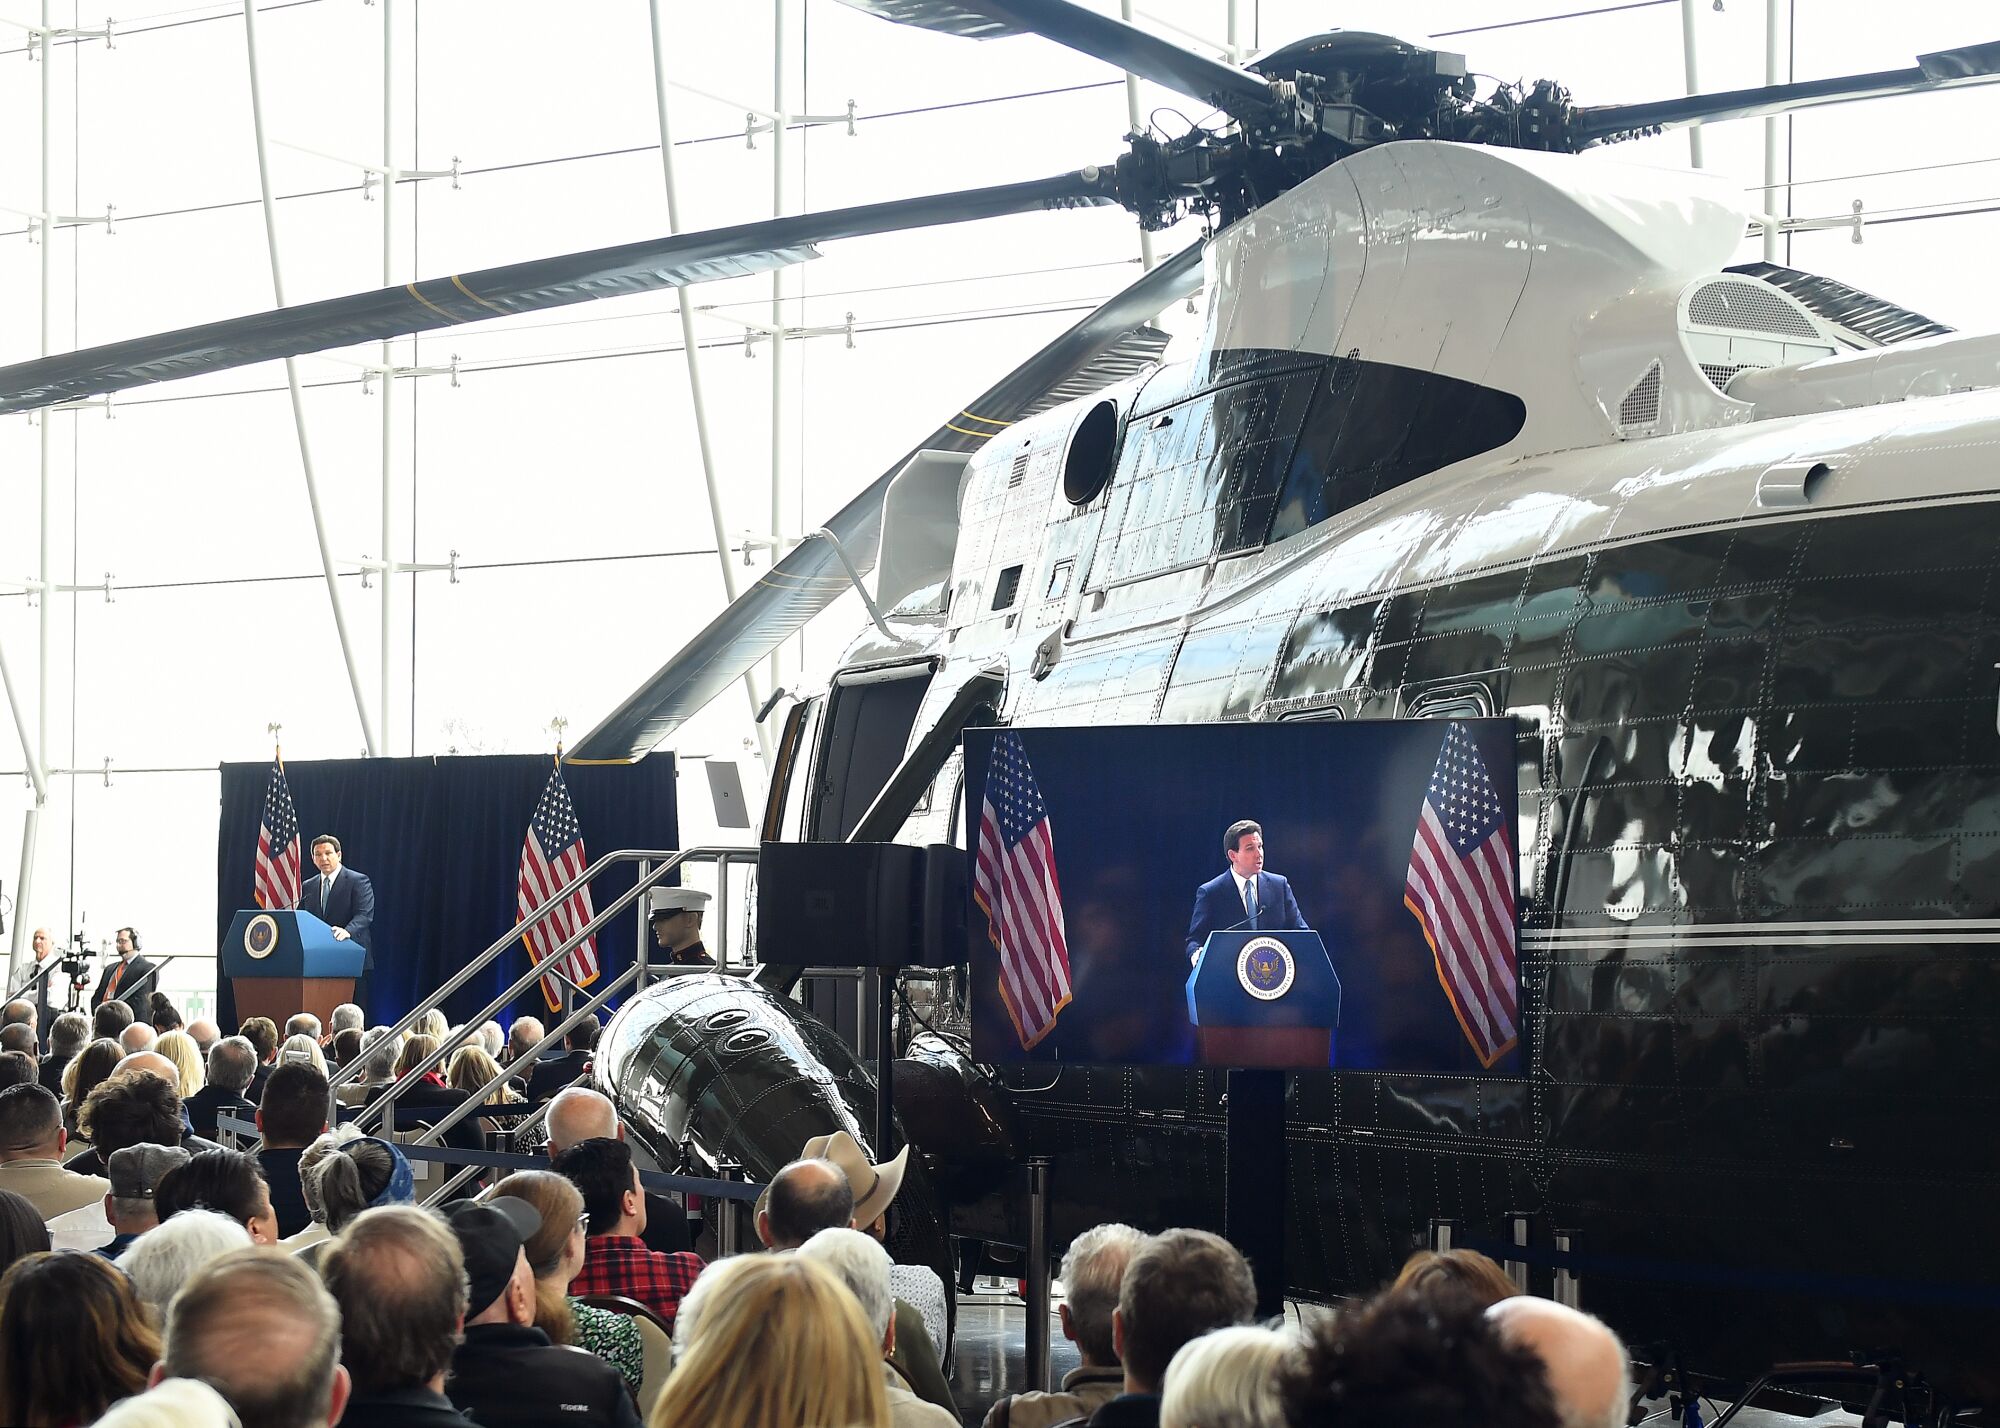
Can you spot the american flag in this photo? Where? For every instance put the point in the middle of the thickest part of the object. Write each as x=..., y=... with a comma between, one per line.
x=1014, y=883
x=278, y=845
x=551, y=856
x=1461, y=888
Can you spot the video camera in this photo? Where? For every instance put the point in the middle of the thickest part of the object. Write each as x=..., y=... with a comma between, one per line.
x=75, y=964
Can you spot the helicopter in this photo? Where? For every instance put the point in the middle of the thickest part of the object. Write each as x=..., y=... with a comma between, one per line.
x=1473, y=429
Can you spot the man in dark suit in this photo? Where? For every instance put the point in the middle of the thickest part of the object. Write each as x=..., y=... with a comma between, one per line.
x=345, y=901
x=130, y=980
x=1244, y=897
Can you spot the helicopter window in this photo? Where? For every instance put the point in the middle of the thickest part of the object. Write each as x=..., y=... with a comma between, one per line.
x=1092, y=454
x=1461, y=699
x=1007, y=587
x=1059, y=580
x=1374, y=426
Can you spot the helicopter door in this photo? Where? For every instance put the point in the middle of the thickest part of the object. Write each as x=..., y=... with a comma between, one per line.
x=866, y=728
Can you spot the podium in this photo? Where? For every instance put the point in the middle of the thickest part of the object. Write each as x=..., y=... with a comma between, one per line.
x=1264, y=999
x=282, y=963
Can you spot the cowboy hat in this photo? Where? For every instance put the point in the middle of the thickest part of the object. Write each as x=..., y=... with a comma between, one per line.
x=874, y=1186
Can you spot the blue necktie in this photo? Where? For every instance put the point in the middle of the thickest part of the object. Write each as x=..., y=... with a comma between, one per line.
x=1250, y=898
x=325, y=883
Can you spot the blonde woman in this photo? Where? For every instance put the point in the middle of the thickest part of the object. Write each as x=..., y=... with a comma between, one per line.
x=1227, y=1379
x=470, y=1069
x=433, y=1024
x=777, y=1342
x=555, y=1255
x=179, y=1048
x=302, y=1048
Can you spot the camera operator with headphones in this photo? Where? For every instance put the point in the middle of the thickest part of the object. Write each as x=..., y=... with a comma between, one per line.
x=130, y=980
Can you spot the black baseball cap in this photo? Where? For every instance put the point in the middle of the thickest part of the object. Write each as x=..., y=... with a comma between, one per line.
x=491, y=1233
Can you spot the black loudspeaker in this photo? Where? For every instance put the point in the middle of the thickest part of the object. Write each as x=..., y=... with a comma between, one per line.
x=941, y=934
x=840, y=904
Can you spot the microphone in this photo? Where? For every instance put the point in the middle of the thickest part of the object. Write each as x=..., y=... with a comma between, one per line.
x=1233, y=927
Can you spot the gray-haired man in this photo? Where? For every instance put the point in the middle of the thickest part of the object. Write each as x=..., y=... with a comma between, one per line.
x=1091, y=1273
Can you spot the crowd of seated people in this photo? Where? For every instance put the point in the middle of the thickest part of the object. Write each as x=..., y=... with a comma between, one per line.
x=151, y=1275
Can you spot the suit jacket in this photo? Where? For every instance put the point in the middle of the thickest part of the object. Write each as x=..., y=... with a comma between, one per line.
x=503, y=1374
x=350, y=904
x=209, y=1102
x=1217, y=905
x=135, y=985
x=50, y=1188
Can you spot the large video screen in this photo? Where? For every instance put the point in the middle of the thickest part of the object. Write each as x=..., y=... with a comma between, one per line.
x=1316, y=894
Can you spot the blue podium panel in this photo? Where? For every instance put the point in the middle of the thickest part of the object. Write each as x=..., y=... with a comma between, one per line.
x=1268, y=999
x=287, y=945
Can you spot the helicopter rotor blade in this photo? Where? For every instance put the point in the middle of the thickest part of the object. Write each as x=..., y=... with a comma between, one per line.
x=1230, y=88
x=1946, y=69
x=810, y=577
x=511, y=290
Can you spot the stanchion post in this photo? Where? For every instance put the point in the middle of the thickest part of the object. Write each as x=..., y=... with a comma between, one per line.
x=728, y=1216
x=1517, y=1269
x=1444, y=1234
x=1038, y=1274
x=1569, y=1289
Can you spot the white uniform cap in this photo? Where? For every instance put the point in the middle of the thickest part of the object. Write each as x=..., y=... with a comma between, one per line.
x=667, y=901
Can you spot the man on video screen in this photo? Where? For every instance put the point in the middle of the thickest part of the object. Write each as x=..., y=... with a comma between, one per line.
x=1245, y=898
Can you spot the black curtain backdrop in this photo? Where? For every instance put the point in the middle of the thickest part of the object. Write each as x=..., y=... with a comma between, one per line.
x=441, y=840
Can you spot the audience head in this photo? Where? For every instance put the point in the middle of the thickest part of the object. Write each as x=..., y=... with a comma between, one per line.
x=802, y=1199
x=22, y=1230
x=860, y=1263
x=302, y=1050
x=525, y=1033
x=132, y=1106
x=347, y=1046
x=875, y=1186
x=1178, y=1286
x=777, y=1341
x=293, y=1111
x=262, y=1329
x=31, y=1125
x=1227, y=1379
x=1416, y=1363
x=433, y=1024
x=603, y=1173
x=492, y=1038
x=493, y=1235
x=347, y=1017
x=309, y=1162
x=304, y=1024
x=73, y=1340
x=136, y=1037
x=399, y=1278
x=1460, y=1271
x=68, y=1034
x=153, y=1064
x=17, y=1068
x=581, y=1114
x=179, y=1048
x=109, y=1019
x=19, y=1036
x=583, y=1036
x=555, y=1250
x=378, y=1054
x=88, y=1071
x=262, y=1033
x=471, y=1068
x=1583, y=1359
x=232, y=1064
x=414, y=1051
x=1092, y=1269
x=18, y=1012
x=162, y=1013
x=172, y=1403
x=135, y=1173
x=358, y=1175
x=228, y=1182
x=162, y=1260
x=205, y=1033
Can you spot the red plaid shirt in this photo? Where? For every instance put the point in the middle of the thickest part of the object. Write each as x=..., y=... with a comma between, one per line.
x=621, y=1264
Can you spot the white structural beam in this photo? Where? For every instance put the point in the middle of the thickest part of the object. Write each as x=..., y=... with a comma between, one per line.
x=691, y=349
x=1693, y=71
x=292, y=383
x=388, y=357
x=1776, y=71
x=780, y=21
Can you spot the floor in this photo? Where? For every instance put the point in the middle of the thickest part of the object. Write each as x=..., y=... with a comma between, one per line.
x=990, y=1361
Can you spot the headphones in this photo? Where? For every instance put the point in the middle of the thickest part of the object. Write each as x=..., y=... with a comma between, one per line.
x=135, y=936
